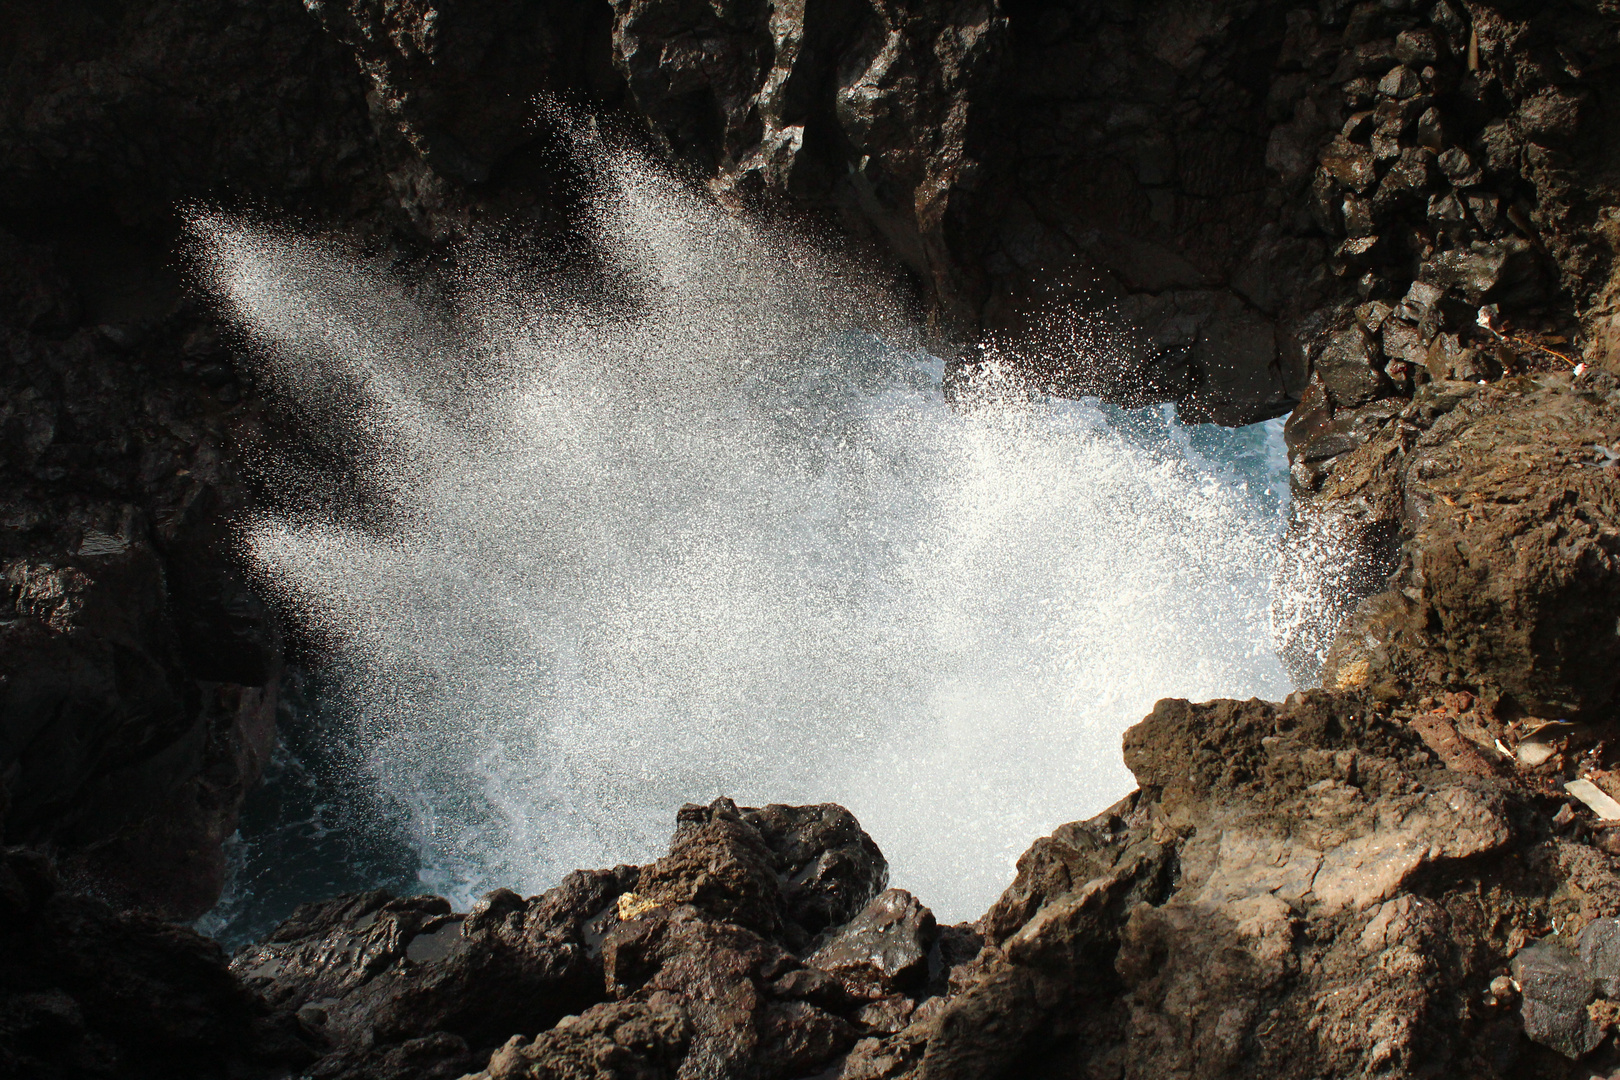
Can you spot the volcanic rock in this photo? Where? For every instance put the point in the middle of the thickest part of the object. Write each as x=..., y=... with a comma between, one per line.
x=87, y=991
x=694, y=950
x=1510, y=594
x=1295, y=891
x=883, y=948
x=1348, y=369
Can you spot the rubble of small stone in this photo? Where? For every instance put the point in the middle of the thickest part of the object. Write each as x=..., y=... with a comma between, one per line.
x=1393, y=218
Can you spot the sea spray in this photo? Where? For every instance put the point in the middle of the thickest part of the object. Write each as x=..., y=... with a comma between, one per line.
x=709, y=526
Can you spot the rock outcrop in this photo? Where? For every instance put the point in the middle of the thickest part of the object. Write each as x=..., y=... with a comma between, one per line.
x=90, y=991
x=688, y=960
x=1508, y=580
x=1236, y=207
x=1392, y=218
x=1463, y=189
x=1300, y=890
x=138, y=669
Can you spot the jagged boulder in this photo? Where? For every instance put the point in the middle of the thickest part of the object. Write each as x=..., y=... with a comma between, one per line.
x=687, y=965
x=884, y=948
x=1508, y=576
x=1298, y=890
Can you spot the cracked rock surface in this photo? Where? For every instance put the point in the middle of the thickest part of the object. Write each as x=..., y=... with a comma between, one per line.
x=1392, y=220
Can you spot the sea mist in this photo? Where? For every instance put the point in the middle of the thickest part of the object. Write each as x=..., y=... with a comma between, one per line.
x=702, y=523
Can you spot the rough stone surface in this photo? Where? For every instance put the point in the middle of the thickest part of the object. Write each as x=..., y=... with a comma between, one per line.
x=87, y=991
x=1508, y=578
x=883, y=948
x=1394, y=218
x=1297, y=890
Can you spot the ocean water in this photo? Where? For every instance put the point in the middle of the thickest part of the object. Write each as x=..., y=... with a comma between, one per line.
x=707, y=524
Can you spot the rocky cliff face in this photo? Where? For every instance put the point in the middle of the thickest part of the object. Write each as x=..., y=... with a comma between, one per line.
x=1394, y=219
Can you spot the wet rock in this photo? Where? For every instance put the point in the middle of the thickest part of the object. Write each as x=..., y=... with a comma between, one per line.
x=1464, y=558
x=720, y=864
x=1358, y=217
x=1421, y=303
x=642, y=1040
x=1429, y=132
x=732, y=864
x=1405, y=184
x=440, y=1056
x=727, y=978
x=831, y=867
x=128, y=751
x=1351, y=166
x=884, y=948
x=710, y=927
x=456, y=82
x=1347, y=368
x=887, y=1015
x=1598, y=945
x=1447, y=359
x=1416, y=48
x=1403, y=341
x=87, y=991
x=1180, y=159
x=1485, y=270
x=380, y=970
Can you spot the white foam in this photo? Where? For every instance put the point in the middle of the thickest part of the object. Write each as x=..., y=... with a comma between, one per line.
x=719, y=533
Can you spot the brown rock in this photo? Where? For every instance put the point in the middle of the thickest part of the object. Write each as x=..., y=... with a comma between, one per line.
x=640, y=1040
x=1543, y=546
x=883, y=949
x=1348, y=370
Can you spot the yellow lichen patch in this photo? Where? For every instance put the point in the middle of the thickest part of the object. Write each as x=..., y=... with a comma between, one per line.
x=1353, y=674
x=634, y=906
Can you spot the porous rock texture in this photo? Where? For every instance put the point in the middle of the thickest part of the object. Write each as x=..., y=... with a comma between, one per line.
x=1393, y=218
x=1236, y=207
x=1301, y=889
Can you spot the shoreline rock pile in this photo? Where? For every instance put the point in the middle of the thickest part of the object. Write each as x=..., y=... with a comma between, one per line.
x=1394, y=217
x=1301, y=889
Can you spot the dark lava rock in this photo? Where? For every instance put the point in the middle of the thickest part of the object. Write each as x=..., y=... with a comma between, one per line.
x=830, y=866
x=1249, y=194
x=724, y=975
x=682, y=967
x=783, y=870
x=884, y=948
x=371, y=969
x=1297, y=890
x=719, y=864
x=1557, y=989
x=1348, y=370
x=87, y=991
x=640, y=1040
